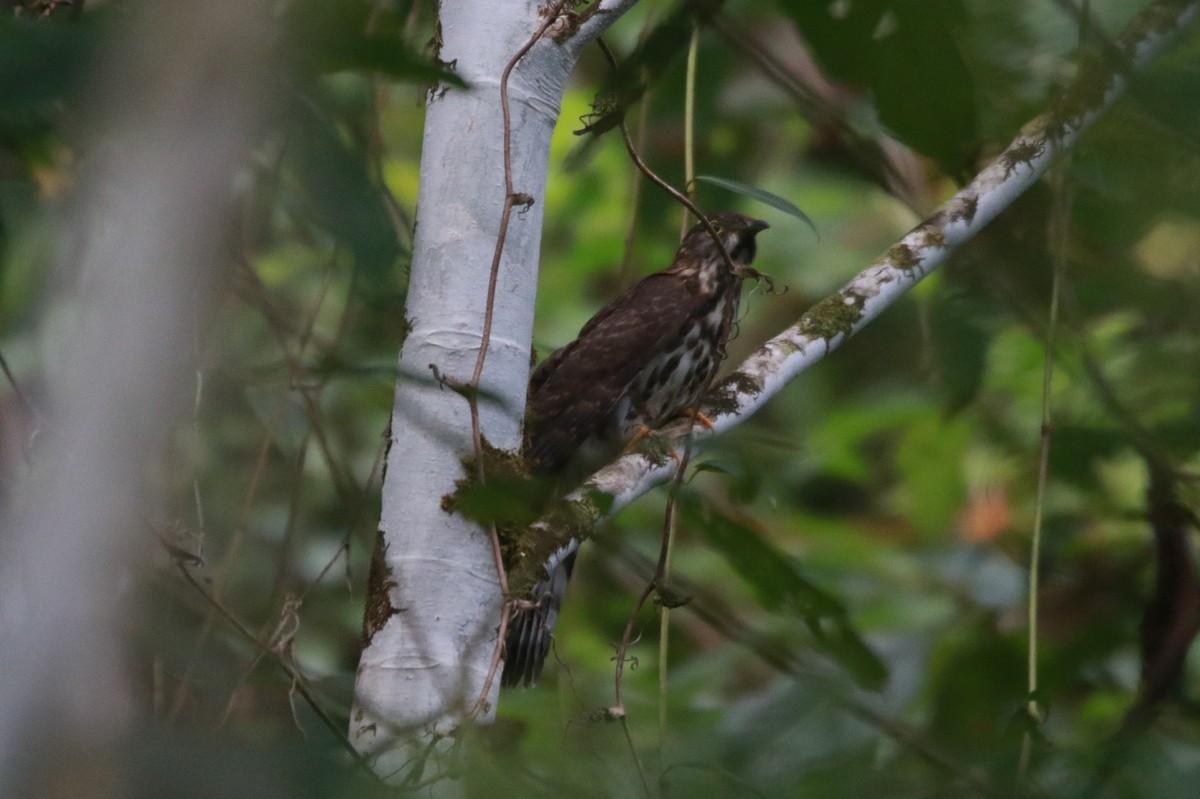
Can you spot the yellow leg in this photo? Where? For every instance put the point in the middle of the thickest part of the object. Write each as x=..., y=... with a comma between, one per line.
x=635, y=439
x=699, y=418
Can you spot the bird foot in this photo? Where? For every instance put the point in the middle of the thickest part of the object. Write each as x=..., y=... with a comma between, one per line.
x=696, y=416
x=655, y=445
x=636, y=439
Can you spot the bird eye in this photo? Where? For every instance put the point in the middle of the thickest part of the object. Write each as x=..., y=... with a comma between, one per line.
x=716, y=226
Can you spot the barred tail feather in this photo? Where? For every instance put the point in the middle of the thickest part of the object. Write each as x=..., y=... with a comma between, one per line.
x=529, y=632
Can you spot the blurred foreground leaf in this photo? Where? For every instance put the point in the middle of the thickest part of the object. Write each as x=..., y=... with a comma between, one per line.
x=780, y=587
x=906, y=53
x=340, y=193
x=336, y=37
x=40, y=66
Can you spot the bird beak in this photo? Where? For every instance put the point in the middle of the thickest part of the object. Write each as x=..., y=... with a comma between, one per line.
x=756, y=225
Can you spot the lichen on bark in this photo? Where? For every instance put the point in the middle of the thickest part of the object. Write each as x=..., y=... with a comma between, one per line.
x=833, y=316
x=379, y=592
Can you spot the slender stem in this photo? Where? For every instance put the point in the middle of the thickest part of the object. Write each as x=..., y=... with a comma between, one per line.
x=16, y=387
x=625, y=276
x=689, y=125
x=511, y=198
x=635, y=189
x=656, y=582
x=664, y=624
x=636, y=760
x=1061, y=227
x=689, y=177
x=290, y=669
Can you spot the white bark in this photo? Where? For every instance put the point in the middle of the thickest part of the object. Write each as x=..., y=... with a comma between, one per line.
x=830, y=323
x=175, y=110
x=426, y=662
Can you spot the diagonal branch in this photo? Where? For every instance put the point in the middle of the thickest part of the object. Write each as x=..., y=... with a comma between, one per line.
x=827, y=325
x=597, y=19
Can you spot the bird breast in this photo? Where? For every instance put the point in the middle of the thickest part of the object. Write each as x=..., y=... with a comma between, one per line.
x=676, y=377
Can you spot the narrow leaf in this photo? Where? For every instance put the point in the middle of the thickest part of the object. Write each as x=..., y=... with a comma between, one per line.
x=763, y=196
x=779, y=586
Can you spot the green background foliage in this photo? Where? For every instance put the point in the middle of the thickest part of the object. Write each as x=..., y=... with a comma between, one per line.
x=856, y=554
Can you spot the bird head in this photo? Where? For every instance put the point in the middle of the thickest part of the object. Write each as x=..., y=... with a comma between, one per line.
x=737, y=232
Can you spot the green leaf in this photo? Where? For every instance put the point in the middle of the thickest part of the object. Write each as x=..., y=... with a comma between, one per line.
x=356, y=36
x=763, y=196
x=907, y=54
x=780, y=587
x=501, y=500
x=960, y=346
x=709, y=466
x=1078, y=448
x=339, y=191
x=741, y=483
x=41, y=66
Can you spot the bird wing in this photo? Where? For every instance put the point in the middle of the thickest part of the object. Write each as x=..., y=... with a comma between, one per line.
x=576, y=389
x=623, y=301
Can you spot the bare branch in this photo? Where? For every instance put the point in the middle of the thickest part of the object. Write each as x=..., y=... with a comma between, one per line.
x=597, y=20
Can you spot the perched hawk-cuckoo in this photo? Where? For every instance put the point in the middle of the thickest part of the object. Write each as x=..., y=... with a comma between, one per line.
x=644, y=358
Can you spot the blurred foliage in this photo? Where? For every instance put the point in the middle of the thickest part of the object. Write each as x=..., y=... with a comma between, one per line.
x=855, y=554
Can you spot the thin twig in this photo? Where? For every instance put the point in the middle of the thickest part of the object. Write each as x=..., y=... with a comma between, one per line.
x=1141, y=438
x=670, y=523
x=737, y=269
x=657, y=582
x=670, y=529
x=275, y=324
x=181, y=691
x=34, y=417
x=637, y=761
x=12, y=380
x=291, y=671
x=283, y=559
x=624, y=275
x=511, y=198
x=286, y=627
x=1061, y=230
x=635, y=189
x=1060, y=263
x=343, y=483
x=1035, y=549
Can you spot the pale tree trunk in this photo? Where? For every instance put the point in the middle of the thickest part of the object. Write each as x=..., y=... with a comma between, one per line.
x=434, y=602
x=175, y=110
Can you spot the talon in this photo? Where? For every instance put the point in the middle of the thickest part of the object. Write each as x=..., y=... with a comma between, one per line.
x=695, y=415
x=644, y=432
x=636, y=439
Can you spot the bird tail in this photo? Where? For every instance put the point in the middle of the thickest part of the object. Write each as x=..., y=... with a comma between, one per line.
x=529, y=631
